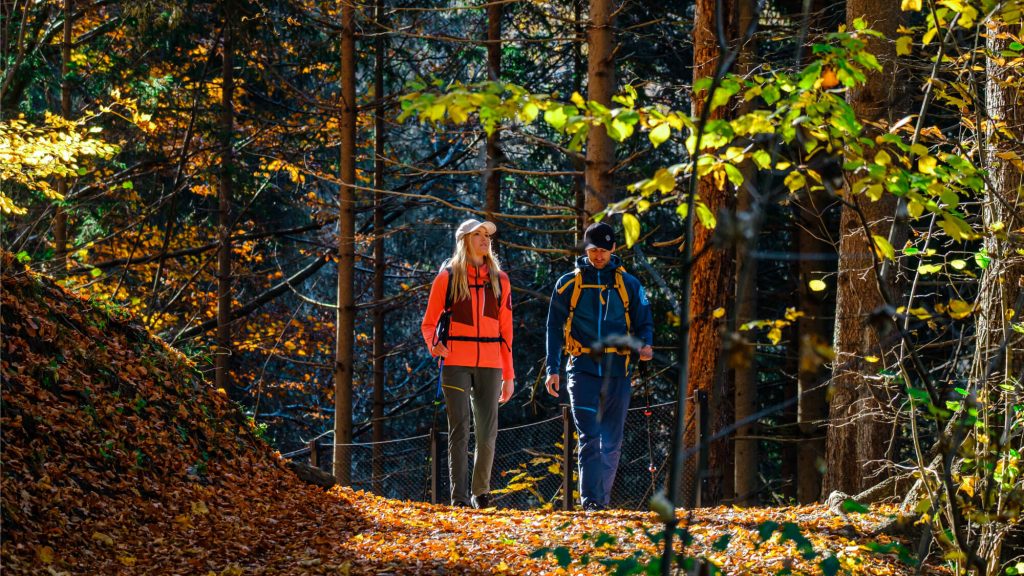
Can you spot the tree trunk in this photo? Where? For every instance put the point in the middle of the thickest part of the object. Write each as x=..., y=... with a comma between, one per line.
x=711, y=276
x=600, y=88
x=745, y=453
x=379, y=263
x=492, y=176
x=579, y=182
x=813, y=334
x=60, y=218
x=222, y=358
x=857, y=437
x=999, y=350
x=345, y=352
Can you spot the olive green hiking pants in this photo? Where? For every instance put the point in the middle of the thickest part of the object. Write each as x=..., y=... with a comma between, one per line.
x=471, y=393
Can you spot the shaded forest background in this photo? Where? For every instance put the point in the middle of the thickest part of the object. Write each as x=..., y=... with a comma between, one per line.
x=266, y=186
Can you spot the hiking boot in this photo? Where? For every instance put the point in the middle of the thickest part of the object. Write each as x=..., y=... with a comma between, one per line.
x=481, y=501
x=592, y=507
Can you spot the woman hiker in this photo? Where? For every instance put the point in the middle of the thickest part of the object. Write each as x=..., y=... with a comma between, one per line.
x=477, y=354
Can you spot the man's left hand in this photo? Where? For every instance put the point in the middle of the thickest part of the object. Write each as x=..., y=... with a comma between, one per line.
x=646, y=353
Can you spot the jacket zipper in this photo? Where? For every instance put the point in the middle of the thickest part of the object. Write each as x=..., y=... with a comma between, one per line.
x=600, y=364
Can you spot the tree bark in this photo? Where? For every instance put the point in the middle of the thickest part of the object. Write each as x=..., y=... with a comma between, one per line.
x=579, y=182
x=600, y=88
x=711, y=274
x=858, y=437
x=222, y=357
x=344, y=337
x=379, y=263
x=813, y=334
x=999, y=350
x=492, y=176
x=745, y=485
x=60, y=218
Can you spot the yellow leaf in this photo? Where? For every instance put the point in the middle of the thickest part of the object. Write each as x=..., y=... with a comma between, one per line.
x=127, y=560
x=958, y=309
x=631, y=227
x=44, y=554
x=578, y=100
x=903, y=45
x=883, y=158
x=871, y=359
x=817, y=285
x=199, y=507
x=883, y=248
x=926, y=164
x=967, y=485
x=102, y=538
x=718, y=313
x=775, y=335
x=911, y=5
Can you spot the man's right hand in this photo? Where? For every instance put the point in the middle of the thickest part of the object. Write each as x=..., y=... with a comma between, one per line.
x=552, y=385
x=439, y=350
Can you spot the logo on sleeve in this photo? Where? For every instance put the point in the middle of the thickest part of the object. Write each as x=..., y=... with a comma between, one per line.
x=643, y=297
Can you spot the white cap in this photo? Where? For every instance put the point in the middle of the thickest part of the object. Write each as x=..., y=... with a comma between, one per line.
x=471, y=225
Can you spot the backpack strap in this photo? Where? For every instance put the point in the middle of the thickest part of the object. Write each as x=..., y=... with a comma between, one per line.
x=574, y=347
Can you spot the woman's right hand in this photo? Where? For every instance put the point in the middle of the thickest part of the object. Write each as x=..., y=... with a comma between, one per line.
x=439, y=350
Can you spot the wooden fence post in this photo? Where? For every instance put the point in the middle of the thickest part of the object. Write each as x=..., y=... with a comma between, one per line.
x=314, y=454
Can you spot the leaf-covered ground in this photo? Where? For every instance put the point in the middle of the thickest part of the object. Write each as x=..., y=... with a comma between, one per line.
x=118, y=458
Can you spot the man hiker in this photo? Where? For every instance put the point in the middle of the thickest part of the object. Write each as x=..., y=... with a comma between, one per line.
x=600, y=316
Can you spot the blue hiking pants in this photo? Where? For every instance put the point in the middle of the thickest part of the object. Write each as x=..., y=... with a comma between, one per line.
x=599, y=406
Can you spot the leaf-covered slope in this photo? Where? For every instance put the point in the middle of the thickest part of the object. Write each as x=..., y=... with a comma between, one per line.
x=118, y=457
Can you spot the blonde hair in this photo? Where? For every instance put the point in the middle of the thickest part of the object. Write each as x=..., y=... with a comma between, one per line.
x=459, y=279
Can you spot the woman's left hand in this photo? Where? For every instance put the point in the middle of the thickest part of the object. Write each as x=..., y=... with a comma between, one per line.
x=507, y=388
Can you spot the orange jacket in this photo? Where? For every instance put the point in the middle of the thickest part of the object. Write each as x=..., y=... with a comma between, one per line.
x=480, y=316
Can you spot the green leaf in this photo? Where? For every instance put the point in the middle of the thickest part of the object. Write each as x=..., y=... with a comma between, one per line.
x=555, y=117
x=96, y=272
x=734, y=175
x=23, y=257
x=762, y=158
x=631, y=226
x=981, y=258
x=830, y=566
x=128, y=185
x=850, y=505
x=766, y=529
x=660, y=134
x=562, y=555
x=722, y=542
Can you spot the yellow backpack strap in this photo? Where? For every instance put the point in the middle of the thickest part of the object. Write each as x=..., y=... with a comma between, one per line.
x=572, y=346
x=620, y=285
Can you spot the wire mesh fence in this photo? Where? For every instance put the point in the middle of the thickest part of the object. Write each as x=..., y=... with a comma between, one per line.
x=529, y=463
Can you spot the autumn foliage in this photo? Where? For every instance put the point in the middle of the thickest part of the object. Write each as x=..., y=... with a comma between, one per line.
x=119, y=458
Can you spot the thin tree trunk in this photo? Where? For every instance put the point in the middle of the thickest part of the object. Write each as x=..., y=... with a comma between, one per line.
x=345, y=353
x=711, y=275
x=999, y=350
x=579, y=183
x=222, y=361
x=857, y=437
x=600, y=88
x=60, y=218
x=745, y=456
x=492, y=177
x=813, y=334
x=379, y=264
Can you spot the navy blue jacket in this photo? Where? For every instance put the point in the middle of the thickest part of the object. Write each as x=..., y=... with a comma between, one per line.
x=594, y=321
